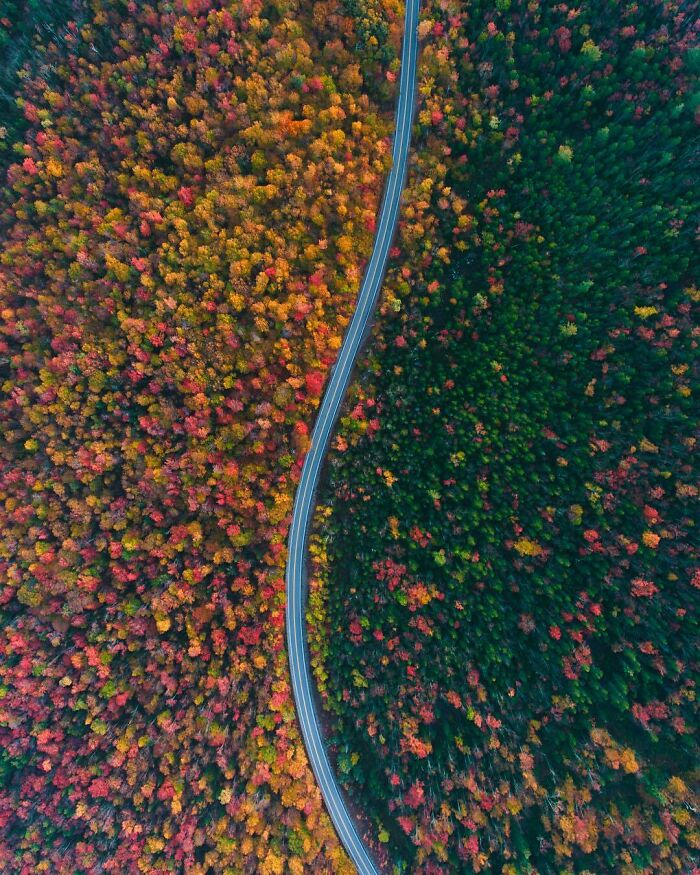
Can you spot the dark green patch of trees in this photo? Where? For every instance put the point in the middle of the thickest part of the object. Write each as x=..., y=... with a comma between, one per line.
x=25, y=27
x=513, y=610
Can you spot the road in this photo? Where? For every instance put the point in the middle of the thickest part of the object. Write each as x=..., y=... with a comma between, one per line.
x=304, y=502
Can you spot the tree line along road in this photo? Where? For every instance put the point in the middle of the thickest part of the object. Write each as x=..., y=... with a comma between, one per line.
x=304, y=502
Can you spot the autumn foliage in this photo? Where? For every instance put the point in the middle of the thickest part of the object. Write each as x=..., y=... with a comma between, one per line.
x=184, y=230
x=27, y=28
x=505, y=612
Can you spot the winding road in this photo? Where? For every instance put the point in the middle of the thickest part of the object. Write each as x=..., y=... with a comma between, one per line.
x=304, y=501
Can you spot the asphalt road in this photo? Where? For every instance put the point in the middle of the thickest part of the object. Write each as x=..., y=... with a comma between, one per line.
x=304, y=502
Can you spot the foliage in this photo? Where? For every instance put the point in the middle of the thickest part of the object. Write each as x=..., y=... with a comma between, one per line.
x=182, y=245
x=506, y=627
x=25, y=26
x=373, y=42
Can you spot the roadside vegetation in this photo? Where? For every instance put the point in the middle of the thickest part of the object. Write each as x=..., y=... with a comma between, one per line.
x=504, y=615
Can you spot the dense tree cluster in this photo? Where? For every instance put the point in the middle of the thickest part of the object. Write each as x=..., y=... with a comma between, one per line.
x=26, y=27
x=184, y=230
x=505, y=612
x=373, y=43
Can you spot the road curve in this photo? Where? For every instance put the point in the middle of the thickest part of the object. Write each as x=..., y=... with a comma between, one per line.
x=304, y=501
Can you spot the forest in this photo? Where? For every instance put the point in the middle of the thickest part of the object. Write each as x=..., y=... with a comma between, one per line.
x=503, y=605
x=187, y=205
x=504, y=610
x=27, y=28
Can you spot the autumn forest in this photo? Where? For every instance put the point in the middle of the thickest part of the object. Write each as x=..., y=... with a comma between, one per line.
x=503, y=564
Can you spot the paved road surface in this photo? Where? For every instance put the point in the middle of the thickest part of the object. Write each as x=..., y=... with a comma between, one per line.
x=330, y=405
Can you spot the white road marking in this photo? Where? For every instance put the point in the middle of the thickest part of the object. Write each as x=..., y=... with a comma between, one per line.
x=320, y=436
